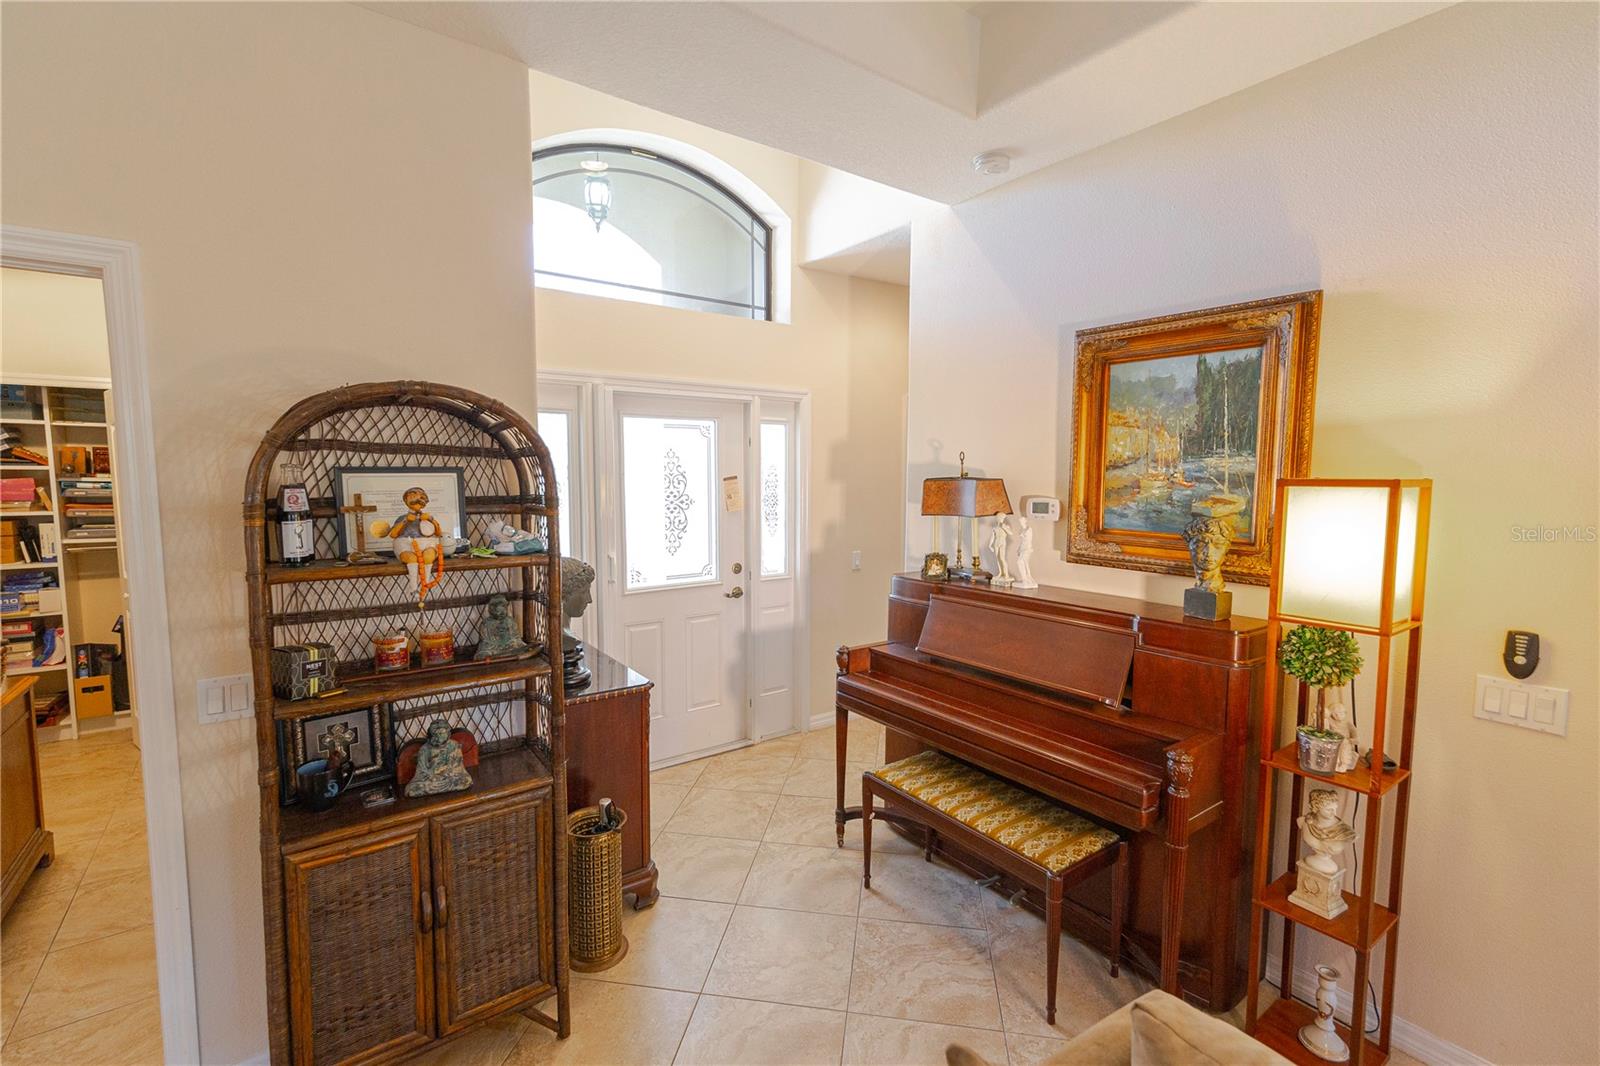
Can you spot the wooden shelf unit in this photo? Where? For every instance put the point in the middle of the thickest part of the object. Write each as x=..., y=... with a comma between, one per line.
x=47, y=434
x=1366, y=923
x=467, y=889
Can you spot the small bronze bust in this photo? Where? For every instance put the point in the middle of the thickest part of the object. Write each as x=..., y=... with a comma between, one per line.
x=441, y=767
x=1209, y=540
x=497, y=634
x=577, y=584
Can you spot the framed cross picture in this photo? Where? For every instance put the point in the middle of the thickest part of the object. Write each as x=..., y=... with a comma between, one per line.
x=1185, y=416
x=362, y=733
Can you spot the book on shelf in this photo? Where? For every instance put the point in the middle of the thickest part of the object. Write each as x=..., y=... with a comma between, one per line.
x=92, y=532
x=17, y=453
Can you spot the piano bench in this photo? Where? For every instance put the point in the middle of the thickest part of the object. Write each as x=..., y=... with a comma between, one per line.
x=1027, y=835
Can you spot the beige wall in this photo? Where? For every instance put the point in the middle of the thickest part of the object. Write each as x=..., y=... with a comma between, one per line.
x=1438, y=182
x=52, y=324
x=320, y=195
x=845, y=343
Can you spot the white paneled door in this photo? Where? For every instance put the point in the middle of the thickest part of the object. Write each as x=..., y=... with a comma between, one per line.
x=683, y=567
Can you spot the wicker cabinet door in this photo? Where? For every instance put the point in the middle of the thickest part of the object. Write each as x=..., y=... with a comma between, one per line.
x=492, y=867
x=360, y=947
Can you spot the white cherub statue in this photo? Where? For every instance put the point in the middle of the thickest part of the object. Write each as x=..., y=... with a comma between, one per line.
x=1025, y=558
x=1336, y=719
x=997, y=544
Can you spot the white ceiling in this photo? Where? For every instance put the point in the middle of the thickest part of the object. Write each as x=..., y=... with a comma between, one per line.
x=908, y=93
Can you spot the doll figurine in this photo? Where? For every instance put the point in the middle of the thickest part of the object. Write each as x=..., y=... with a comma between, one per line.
x=416, y=535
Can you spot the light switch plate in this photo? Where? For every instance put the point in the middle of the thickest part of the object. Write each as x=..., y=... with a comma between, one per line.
x=1537, y=707
x=222, y=699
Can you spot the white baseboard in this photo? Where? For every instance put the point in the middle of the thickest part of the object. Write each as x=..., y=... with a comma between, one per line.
x=263, y=1059
x=823, y=720
x=1405, y=1036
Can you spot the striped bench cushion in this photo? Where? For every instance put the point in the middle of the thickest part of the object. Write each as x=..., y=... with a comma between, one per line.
x=1030, y=825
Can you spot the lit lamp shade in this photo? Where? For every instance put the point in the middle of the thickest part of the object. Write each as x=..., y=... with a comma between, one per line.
x=965, y=497
x=1334, y=538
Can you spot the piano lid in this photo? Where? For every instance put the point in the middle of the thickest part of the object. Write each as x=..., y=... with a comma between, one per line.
x=1055, y=653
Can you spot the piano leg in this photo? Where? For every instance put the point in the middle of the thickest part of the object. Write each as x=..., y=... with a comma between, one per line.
x=1180, y=772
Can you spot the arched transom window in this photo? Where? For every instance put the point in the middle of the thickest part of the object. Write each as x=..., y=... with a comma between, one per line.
x=609, y=220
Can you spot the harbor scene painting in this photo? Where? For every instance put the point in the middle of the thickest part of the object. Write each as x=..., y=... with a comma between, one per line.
x=1185, y=416
x=1180, y=441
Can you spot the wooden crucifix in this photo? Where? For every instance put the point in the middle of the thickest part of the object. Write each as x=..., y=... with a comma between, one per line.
x=359, y=509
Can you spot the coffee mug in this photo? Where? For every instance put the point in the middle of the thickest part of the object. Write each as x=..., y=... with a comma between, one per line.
x=319, y=784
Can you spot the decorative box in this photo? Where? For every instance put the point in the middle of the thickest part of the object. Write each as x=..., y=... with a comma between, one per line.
x=300, y=671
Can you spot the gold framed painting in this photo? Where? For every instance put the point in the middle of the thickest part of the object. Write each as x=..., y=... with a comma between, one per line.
x=1190, y=415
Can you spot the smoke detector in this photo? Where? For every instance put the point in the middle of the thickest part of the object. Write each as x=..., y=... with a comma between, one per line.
x=991, y=162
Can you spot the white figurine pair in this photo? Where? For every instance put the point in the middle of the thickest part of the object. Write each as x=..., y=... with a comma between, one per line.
x=997, y=544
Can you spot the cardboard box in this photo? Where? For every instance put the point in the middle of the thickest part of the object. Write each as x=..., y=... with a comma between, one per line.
x=92, y=695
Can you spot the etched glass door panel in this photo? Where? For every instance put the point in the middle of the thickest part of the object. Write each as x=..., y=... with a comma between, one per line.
x=685, y=580
x=670, y=497
x=774, y=499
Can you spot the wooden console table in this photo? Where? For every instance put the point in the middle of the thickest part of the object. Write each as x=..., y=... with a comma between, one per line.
x=608, y=754
x=25, y=844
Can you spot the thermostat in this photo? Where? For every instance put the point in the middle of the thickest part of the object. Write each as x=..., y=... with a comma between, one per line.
x=1045, y=507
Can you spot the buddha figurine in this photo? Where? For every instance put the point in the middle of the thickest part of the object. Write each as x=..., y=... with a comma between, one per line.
x=417, y=538
x=497, y=634
x=440, y=764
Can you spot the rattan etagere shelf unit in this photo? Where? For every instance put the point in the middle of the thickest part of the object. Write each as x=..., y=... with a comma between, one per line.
x=393, y=927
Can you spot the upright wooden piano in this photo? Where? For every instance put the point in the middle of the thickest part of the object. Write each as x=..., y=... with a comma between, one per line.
x=1122, y=709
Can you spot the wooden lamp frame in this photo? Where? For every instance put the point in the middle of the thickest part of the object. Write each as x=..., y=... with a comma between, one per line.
x=1365, y=923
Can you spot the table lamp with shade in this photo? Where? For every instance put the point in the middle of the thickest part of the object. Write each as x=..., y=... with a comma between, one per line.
x=1350, y=555
x=962, y=496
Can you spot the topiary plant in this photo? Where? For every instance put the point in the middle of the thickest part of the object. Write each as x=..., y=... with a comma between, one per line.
x=1322, y=658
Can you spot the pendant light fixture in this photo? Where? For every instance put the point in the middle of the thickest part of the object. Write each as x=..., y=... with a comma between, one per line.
x=596, y=191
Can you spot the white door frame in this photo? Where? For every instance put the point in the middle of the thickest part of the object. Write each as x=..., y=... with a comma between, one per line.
x=116, y=263
x=601, y=511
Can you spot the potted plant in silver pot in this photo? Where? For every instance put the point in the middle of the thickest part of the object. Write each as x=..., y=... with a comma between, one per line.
x=1327, y=660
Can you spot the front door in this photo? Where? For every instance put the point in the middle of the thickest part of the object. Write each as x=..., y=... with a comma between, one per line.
x=683, y=568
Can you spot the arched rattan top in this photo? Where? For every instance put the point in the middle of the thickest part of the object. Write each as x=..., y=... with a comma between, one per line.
x=515, y=437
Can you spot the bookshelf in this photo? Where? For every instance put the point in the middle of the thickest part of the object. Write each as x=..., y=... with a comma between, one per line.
x=74, y=522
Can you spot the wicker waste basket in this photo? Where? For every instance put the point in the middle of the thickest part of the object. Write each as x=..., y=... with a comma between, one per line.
x=594, y=893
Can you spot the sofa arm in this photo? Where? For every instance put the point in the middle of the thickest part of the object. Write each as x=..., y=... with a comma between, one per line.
x=1107, y=1042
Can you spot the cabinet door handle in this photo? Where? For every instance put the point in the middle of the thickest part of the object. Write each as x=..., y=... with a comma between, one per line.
x=427, y=912
x=441, y=903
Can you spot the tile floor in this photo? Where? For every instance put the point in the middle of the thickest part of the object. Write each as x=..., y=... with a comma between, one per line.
x=764, y=949
x=77, y=954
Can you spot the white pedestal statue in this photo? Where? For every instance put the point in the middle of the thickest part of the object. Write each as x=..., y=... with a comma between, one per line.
x=997, y=544
x=1025, y=558
x=1319, y=888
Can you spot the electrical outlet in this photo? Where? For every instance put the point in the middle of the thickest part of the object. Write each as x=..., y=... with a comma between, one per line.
x=222, y=699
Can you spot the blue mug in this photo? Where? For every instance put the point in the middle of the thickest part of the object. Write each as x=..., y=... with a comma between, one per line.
x=318, y=784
